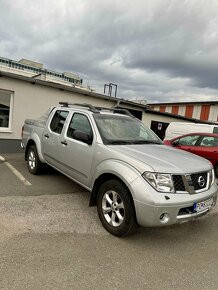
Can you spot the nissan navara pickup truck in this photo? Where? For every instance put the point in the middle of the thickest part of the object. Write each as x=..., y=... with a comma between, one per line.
x=134, y=179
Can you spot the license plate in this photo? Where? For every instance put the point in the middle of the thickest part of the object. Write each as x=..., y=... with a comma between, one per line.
x=199, y=206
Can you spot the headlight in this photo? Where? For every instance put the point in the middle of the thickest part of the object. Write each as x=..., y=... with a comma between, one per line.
x=212, y=176
x=160, y=181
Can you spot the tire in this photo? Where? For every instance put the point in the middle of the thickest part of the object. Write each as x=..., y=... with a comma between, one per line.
x=116, y=209
x=34, y=164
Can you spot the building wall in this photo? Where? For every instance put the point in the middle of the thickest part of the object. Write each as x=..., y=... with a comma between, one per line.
x=182, y=110
x=32, y=100
x=148, y=118
x=197, y=112
x=213, y=116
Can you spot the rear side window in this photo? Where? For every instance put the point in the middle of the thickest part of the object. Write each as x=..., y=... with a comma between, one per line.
x=215, y=130
x=209, y=141
x=58, y=120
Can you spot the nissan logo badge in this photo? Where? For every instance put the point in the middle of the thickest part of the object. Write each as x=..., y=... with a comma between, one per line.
x=201, y=181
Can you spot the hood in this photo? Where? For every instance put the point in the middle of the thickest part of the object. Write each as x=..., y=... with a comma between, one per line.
x=163, y=158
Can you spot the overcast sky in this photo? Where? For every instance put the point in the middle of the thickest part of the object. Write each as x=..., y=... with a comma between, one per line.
x=154, y=50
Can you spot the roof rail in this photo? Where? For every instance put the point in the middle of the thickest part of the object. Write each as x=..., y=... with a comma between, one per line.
x=64, y=104
x=89, y=106
x=116, y=110
x=122, y=111
x=98, y=109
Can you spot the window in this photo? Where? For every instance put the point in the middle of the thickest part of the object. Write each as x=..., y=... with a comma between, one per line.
x=115, y=129
x=209, y=141
x=189, y=140
x=215, y=129
x=79, y=123
x=58, y=121
x=5, y=109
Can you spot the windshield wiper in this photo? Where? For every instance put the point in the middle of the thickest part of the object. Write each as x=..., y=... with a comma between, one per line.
x=120, y=142
x=132, y=142
x=146, y=142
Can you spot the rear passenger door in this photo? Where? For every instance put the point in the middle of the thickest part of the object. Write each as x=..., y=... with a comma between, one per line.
x=77, y=148
x=51, y=139
x=208, y=148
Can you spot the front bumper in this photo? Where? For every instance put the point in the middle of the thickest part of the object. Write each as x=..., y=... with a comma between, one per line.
x=159, y=209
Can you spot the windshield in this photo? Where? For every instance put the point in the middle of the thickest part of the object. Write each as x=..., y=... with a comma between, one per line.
x=116, y=129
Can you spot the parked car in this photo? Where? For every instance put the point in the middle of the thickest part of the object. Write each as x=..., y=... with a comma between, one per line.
x=132, y=176
x=202, y=144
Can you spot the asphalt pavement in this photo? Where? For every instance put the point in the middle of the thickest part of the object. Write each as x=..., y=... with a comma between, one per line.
x=51, y=239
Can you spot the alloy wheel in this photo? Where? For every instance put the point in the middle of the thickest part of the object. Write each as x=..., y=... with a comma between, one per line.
x=32, y=160
x=113, y=208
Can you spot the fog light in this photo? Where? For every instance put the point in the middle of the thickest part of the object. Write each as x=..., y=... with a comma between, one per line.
x=164, y=218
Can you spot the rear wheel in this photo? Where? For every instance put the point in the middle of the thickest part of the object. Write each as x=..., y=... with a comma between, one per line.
x=115, y=208
x=34, y=164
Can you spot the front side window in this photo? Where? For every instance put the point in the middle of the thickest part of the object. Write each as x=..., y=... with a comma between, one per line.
x=188, y=140
x=58, y=120
x=79, y=123
x=5, y=109
x=116, y=129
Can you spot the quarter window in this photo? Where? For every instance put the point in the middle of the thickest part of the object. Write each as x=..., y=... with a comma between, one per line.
x=58, y=121
x=5, y=109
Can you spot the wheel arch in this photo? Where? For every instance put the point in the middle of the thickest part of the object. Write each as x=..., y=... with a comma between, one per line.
x=34, y=142
x=102, y=179
x=113, y=169
x=30, y=143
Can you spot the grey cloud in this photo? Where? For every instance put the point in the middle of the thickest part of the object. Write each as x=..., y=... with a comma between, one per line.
x=152, y=49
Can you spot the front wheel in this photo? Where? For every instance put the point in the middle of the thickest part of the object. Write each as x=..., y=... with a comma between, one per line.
x=34, y=164
x=115, y=208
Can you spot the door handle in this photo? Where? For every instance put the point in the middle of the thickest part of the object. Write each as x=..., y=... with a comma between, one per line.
x=64, y=143
x=46, y=136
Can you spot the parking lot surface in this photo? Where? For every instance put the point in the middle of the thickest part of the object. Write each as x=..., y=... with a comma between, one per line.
x=51, y=239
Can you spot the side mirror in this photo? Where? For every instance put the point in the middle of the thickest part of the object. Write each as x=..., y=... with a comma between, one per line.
x=83, y=137
x=175, y=143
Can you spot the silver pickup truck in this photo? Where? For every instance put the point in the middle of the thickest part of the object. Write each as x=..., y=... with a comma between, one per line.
x=133, y=178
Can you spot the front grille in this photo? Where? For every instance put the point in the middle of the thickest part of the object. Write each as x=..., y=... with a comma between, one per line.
x=199, y=180
x=178, y=183
x=190, y=183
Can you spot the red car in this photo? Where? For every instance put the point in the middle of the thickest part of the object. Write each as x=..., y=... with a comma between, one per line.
x=202, y=144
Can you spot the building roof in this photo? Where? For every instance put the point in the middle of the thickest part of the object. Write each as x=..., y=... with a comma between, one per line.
x=179, y=117
x=185, y=103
